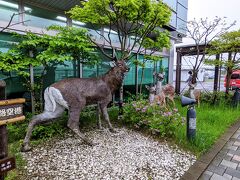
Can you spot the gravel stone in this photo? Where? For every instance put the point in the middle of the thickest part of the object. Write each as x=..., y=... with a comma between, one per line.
x=126, y=154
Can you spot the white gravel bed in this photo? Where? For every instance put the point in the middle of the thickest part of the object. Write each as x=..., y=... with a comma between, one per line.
x=124, y=155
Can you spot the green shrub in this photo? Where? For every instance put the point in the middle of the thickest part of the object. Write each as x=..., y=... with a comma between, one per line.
x=216, y=98
x=159, y=120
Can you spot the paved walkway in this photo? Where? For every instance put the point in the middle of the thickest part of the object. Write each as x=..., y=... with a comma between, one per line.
x=222, y=161
x=226, y=165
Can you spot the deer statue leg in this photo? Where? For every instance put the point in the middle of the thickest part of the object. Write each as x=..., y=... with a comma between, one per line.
x=106, y=116
x=172, y=99
x=73, y=123
x=99, y=117
x=164, y=102
x=42, y=118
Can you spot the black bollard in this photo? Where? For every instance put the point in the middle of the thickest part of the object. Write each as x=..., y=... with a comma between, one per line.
x=191, y=116
x=191, y=122
x=236, y=97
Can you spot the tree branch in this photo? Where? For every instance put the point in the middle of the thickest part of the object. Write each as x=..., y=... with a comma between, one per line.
x=11, y=19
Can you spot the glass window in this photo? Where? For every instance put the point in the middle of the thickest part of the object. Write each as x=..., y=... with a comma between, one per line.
x=113, y=36
x=147, y=71
x=7, y=41
x=42, y=18
x=14, y=84
x=171, y=3
x=55, y=72
x=235, y=76
x=130, y=77
x=7, y=8
x=103, y=67
x=162, y=66
x=63, y=70
x=97, y=70
x=173, y=20
x=90, y=71
x=95, y=35
x=182, y=12
x=181, y=26
x=183, y=2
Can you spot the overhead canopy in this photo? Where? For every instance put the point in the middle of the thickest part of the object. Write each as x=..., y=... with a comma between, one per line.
x=55, y=5
x=191, y=50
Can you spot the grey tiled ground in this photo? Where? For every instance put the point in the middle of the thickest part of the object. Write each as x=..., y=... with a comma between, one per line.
x=226, y=165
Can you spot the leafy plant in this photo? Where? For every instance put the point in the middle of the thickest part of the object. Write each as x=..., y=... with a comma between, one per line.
x=159, y=120
x=45, y=50
x=135, y=24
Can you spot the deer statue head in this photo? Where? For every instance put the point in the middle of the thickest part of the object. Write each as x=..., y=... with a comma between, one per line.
x=151, y=89
x=159, y=76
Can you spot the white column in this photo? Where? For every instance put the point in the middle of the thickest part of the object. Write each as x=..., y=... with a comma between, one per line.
x=171, y=62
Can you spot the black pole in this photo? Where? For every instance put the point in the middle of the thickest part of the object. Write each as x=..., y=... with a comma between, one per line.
x=178, y=73
x=3, y=129
x=216, y=74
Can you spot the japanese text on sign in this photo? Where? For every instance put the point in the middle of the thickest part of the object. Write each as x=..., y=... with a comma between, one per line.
x=11, y=111
x=7, y=164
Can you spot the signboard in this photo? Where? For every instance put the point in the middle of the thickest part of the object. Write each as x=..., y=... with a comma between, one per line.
x=7, y=164
x=11, y=111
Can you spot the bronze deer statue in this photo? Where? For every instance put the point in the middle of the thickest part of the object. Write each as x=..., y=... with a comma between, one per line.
x=154, y=98
x=166, y=91
x=74, y=94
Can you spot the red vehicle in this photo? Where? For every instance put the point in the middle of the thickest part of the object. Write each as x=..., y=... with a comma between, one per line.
x=235, y=79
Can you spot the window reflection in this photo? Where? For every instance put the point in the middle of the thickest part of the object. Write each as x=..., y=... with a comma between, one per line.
x=173, y=20
x=182, y=12
x=7, y=9
x=171, y=3
x=181, y=26
x=42, y=18
x=183, y=2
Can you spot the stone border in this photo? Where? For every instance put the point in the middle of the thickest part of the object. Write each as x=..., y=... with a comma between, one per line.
x=197, y=169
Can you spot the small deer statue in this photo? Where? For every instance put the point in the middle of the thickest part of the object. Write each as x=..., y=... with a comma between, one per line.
x=153, y=98
x=195, y=93
x=74, y=94
x=167, y=90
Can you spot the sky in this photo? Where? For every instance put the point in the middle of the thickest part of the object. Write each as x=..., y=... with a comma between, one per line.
x=211, y=8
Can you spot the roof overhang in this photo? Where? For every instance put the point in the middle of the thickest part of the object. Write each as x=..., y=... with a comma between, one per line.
x=54, y=5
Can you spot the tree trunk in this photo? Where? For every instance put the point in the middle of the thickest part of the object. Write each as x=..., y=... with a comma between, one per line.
x=228, y=77
x=136, y=81
x=41, y=89
x=194, y=76
x=229, y=73
x=32, y=89
x=141, y=81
